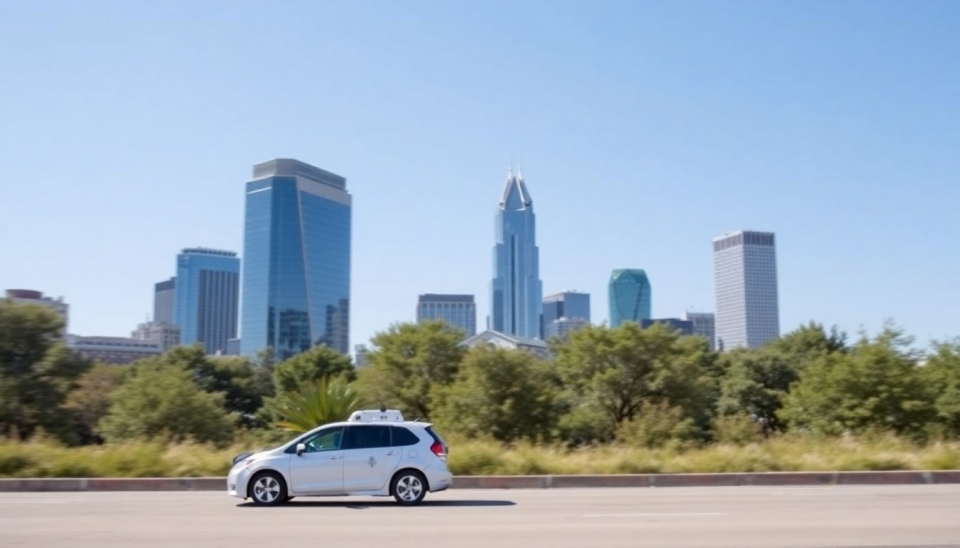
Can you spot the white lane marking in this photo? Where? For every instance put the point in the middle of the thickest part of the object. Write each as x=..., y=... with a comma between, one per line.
x=676, y=514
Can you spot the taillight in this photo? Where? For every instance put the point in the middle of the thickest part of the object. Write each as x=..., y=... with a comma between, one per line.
x=439, y=450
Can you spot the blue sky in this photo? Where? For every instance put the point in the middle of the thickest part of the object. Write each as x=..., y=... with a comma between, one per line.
x=127, y=130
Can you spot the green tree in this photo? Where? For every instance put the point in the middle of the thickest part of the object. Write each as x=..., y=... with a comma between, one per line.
x=408, y=362
x=942, y=372
x=36, y=372
x=90, y=400
x=876, y=385
x=614, y=371
x=507, y=394
x=320, y=362
x=755, y=381
x=162, y=401
x=314, y=403
x=235, y=378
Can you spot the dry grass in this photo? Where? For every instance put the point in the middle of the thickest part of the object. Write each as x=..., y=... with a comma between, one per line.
x=780, y=454
x=477, y=457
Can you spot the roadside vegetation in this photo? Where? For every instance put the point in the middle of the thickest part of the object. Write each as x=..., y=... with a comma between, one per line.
x=624, y=400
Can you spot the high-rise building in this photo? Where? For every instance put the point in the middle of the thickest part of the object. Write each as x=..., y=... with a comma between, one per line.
x=745, y=270
x=630, y=296
x=164, y=335
x=704, y=324
x=457, y=310
x=296, y=266
x=164, y=296
x=207, y=297
x=571, y=306
x=29, y=296
x=516, y=290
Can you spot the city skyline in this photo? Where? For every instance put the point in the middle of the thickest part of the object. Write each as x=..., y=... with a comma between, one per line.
x=780, y=116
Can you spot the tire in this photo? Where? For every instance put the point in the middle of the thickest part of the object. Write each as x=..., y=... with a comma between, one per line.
x=268, y=489
x=408, y=487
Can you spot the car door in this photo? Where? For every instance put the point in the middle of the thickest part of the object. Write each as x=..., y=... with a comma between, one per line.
x=368, y=458
x=319, y=469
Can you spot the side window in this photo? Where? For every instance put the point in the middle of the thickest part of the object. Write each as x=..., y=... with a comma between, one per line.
x=324, y=440
x=367, y=436
x=403, y=437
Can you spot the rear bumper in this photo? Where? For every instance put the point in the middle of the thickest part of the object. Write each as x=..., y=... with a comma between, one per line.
x=439, y=480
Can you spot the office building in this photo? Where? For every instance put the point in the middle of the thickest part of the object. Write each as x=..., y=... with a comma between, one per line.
x=630, y=297
x=207, y=297
x=685, y=327
x=164, y=335
x=296, y=265
x=29, y=296
x=457, y=310
x=704, y=324
x=360, y=353
x=745, y=271
x=563, y=326
x=572, y=307
x=164, y=296
x=112, y=350
x=516, y=290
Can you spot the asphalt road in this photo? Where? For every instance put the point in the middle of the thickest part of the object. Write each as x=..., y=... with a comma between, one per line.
x=868, y=516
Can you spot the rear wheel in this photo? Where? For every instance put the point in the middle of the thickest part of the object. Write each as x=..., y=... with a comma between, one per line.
x=409, y=487
x=268, y=489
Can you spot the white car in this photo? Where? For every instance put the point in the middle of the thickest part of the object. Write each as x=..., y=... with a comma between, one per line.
x=373, y=453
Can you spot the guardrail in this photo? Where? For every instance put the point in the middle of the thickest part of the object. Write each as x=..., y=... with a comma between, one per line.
x=910, y=477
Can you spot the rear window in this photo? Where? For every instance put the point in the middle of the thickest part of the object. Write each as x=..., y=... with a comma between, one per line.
x=403, y=437
x=436, y=437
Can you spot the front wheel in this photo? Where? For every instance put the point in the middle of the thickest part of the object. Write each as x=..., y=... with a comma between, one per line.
x=409, y=487
x=268, y=489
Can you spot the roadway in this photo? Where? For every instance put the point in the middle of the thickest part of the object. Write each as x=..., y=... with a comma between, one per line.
x=769, y=517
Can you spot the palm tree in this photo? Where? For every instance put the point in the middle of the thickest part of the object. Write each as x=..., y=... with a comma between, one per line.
x=313, y=404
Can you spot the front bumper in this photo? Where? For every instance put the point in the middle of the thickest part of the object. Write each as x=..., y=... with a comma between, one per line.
x=237, y=482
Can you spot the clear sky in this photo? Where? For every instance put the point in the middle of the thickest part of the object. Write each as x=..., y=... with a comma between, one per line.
x=128, y=130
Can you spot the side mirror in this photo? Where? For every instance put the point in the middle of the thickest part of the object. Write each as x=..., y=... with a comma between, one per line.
x=300, y=449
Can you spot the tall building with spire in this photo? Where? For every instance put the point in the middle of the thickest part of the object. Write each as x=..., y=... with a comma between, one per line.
x=516, y=290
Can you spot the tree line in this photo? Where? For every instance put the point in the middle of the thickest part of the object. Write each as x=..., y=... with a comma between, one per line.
x=648, y=387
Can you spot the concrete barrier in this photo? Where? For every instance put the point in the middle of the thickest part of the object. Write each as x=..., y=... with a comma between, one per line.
x=13, y=485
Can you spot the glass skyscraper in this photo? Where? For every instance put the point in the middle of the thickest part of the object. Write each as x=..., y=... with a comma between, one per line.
x=296, y=267
x=745, y=271
x=516, y=291
x=164, y=294
x=629, y=296
x=207, y=297
x=563, y=312
x=457, y=310
x=705, y=325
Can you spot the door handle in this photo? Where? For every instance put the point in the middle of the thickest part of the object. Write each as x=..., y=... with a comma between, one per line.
x=391, y=453
x=337, y=457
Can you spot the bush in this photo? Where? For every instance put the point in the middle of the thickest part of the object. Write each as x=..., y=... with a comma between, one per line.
x=657, y=426
x=738, y=429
